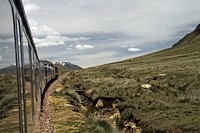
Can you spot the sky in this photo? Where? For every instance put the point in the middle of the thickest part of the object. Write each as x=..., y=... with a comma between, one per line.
x=95, y=32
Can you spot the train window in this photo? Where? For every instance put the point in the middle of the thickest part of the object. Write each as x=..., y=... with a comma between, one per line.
x=9, y=118
x=27, y=75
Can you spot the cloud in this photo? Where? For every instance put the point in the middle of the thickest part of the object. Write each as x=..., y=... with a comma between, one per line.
x=49, y=41
x=93, y=59
x=31, y=8
x=134, y=49
x=39, y=30
x=0, y=49
x=52, y=40
x=0, y=57
x=68, y=48
x=83, y=38
x=9, y=40
x=83, y=47
x=131, y=17
x=150, y=25
x=148, y=20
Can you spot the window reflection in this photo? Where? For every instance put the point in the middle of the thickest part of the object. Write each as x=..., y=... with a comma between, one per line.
x=9, y=119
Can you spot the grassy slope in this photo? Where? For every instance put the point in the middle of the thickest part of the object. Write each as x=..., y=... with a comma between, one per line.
x=172, y=103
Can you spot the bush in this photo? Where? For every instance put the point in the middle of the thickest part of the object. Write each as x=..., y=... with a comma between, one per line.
x=7, y=100
x=184, y=100
x=7, y=103
x=103, y=126
x=120, y=123
x=99, y=125
x=90, y=109
x=73, y=94
x=91, y=92
x=127, y=114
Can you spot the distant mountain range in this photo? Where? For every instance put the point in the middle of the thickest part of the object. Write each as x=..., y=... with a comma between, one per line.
x=69, y=65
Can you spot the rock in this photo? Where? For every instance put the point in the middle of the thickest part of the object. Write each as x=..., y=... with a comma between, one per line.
x=115, y=115
x=99, y=104
x=130, y=128
x=146, y=86
x=107, y=102
x=162, y=74
x=114, y=106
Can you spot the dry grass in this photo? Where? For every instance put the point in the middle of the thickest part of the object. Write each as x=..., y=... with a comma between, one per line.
x=171, y=103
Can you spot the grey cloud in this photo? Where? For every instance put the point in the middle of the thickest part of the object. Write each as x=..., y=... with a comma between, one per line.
x=52, y=40
x=112, y=26
x=31, y=8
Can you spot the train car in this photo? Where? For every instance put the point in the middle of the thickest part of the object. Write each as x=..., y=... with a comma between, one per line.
x=49, y=72
x=23, y=78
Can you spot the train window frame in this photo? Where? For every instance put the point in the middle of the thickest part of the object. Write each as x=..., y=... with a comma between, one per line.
x=31, y=80
x=16, y=26
x=21, y=47
x=19, y=59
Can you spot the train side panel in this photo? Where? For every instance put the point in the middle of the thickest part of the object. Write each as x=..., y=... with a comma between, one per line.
x=23, y=78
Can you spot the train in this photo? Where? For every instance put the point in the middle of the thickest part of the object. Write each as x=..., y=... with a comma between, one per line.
x=22, y=84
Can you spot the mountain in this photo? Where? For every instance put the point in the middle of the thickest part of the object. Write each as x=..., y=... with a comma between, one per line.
x=190, y=38
x=69, y=65
x=161, y=88
x=9, y=69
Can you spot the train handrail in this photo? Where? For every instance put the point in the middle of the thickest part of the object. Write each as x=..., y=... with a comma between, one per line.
x=20, y=8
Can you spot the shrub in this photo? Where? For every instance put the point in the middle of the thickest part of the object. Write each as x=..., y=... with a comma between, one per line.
x=100, y=129
x=103, y=126
x=120, y=123
x=99, y=125
x=89, y=111
x=127, y=114
x=73, y=94
x=91, y=91
x=7, y=100
x=7, y=103
x=184, y=100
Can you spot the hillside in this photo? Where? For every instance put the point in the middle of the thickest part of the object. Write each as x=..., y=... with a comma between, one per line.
x=9, y=69
x=188, y=39
x=161, y=88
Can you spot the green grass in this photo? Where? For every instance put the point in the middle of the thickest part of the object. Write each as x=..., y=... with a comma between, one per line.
x=99, y=125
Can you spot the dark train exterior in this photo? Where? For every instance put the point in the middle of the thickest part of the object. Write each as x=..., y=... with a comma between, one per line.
x=23, y=82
